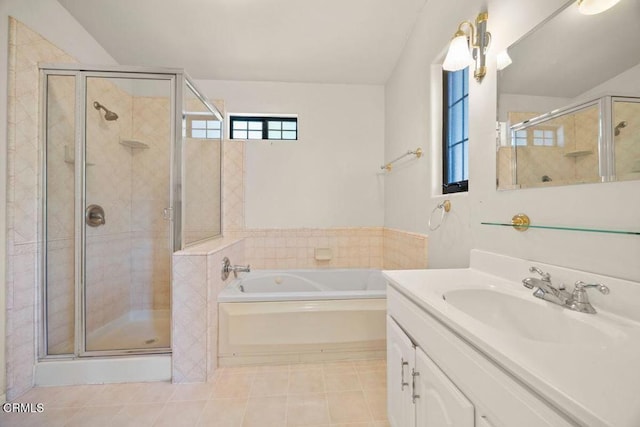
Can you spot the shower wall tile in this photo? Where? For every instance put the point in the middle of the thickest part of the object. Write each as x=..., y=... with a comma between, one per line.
x=627, y=143
x=26, y=49
x=150, y=189
x=233, y=170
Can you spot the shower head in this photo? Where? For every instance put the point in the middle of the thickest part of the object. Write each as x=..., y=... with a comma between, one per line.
x=619, y=126
x=108, y=115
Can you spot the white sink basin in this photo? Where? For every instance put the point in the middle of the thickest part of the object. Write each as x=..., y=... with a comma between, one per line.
x=533, y=320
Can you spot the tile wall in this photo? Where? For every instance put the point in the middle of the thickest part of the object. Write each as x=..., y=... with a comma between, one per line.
x=26, y=49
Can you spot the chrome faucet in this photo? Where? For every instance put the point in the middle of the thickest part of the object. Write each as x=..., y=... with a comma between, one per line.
x=578, y=300
x=228, y=268
x=545, y=290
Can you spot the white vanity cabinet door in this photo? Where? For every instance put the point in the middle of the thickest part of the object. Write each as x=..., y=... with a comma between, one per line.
x=439, y=403
x=400, y=360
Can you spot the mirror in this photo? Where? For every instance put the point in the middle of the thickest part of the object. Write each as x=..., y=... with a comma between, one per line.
x=569, y=103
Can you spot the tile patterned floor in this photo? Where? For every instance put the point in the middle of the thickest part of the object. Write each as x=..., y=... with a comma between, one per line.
x=334, y=394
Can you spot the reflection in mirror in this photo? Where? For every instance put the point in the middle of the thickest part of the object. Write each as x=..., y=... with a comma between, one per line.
x=626, y=138
x=558, y=121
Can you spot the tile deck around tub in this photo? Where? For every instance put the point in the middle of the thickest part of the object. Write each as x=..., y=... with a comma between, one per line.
x=332, y=394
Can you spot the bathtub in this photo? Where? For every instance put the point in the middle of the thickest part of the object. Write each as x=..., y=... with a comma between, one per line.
x=302, y=316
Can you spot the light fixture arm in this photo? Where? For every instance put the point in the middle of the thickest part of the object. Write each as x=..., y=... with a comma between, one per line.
x=472, y=31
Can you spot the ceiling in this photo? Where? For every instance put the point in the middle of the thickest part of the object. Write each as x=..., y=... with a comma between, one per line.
x=572, y=53
x=328, y=41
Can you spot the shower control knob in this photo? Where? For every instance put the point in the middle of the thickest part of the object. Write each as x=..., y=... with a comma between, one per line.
x=94, y=216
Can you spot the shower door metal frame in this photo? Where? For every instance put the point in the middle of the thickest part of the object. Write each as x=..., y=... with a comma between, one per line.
x=176, y=77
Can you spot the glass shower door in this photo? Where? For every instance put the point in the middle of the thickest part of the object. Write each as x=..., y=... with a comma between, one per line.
x=127, y=224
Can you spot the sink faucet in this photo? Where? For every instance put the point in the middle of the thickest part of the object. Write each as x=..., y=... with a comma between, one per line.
x=578, y=300
x=545, y=290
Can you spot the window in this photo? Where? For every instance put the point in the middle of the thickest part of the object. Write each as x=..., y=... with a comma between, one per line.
x=250, y=127
x=203, y=127
x=455, y=131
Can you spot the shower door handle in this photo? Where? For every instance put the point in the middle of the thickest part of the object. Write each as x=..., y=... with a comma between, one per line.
x=94, y=216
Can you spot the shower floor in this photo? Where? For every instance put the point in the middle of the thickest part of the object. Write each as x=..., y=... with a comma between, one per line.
x=143, y=329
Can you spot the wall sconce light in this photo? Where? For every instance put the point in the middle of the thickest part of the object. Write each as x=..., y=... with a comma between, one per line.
x=593, y=7
x=465, y=48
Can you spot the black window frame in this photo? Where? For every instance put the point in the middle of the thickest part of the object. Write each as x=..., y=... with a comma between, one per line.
x=463, y=185
x=265, y=126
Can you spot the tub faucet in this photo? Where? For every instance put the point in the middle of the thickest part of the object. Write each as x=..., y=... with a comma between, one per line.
x=228, y=268
x=545, y=289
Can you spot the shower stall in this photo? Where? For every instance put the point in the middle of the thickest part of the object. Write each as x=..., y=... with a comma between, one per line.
x=119, y=196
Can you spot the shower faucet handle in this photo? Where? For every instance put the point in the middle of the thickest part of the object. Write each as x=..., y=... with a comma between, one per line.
x=94, y=216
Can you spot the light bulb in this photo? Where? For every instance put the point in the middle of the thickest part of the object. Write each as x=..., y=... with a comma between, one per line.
x=593, y=7
x=458, y=57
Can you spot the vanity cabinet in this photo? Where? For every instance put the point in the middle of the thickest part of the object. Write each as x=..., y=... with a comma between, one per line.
x=419, y=393
x=457, y=385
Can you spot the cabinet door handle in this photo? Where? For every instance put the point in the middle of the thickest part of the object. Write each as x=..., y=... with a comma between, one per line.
x=414, y=396
x=403, y=363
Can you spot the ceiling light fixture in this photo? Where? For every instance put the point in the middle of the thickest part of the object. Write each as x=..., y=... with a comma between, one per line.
x=593, y=7
x=467, y=47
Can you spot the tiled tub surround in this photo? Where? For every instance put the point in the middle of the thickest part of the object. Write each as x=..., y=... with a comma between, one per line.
x=197, y=282
x=194, y=308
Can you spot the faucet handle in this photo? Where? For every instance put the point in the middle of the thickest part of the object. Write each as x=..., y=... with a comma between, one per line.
x=545, y=276
x=581, y=286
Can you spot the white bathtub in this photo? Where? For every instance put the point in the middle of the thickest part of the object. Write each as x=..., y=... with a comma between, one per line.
x=302, y=316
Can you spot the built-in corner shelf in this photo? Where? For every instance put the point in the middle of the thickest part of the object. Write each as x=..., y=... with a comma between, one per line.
x=566, y=228
x=69, y=156
x=578, y=153
x=132, y=143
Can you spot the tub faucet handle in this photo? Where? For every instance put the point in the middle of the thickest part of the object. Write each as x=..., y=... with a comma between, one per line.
x=228, y=268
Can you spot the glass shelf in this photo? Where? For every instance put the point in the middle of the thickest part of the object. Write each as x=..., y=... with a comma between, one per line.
x=555, y=227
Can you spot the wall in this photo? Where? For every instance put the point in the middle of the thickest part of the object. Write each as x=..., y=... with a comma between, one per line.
x=409, y=99
x=330, y=176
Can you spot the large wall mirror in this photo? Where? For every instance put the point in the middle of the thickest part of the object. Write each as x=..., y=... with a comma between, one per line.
x=569, y=103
